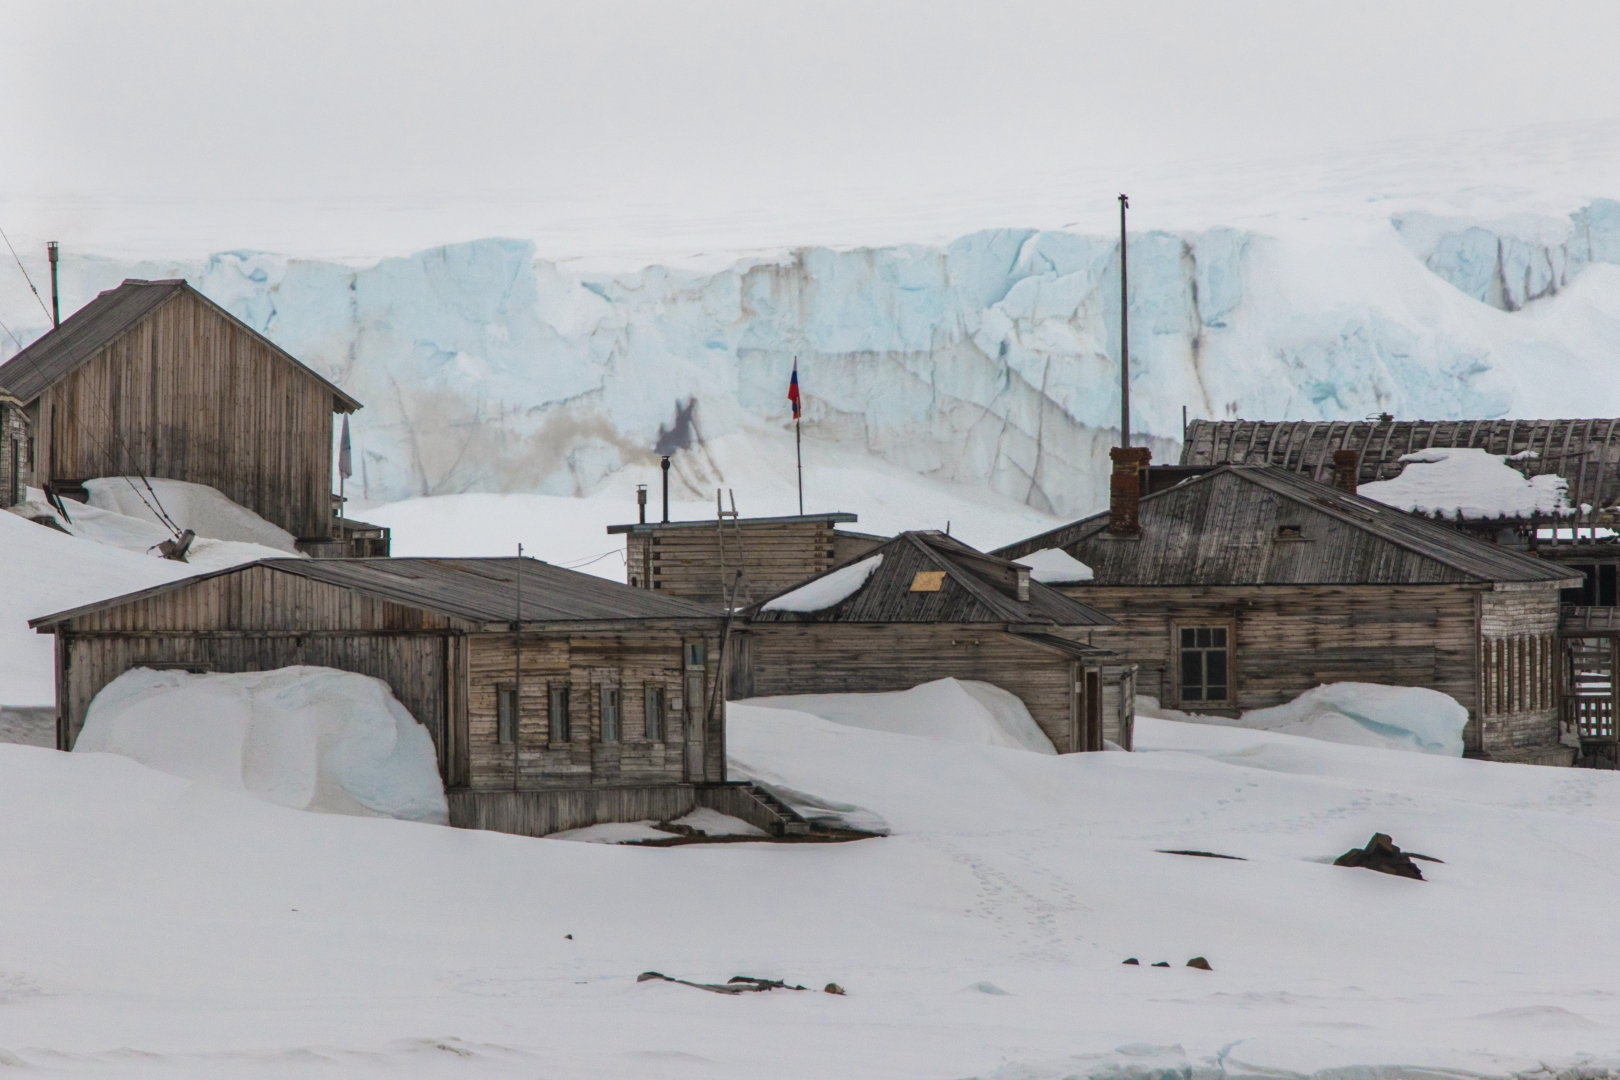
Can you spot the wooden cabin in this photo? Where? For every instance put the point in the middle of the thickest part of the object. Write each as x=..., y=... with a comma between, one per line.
x=699, y=560
x=603, y=705
x=1243, y=586
x=16, y=451
x=924, y=606
x=153, y=378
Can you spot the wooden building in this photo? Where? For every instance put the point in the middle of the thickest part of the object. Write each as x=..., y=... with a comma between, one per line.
x=924, y=606
x=699, y=560
x=16, y=453
x=153, y=378
x=1243, y=586
x=604, y=706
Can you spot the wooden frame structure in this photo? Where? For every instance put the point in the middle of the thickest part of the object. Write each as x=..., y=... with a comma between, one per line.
x=447, y=636
x=932, y=608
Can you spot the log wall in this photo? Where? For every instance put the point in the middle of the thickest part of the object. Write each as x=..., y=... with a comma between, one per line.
x=537, y=813
x=1519, y=658
x=188, y=394
x=691, y=562
x=830, y=658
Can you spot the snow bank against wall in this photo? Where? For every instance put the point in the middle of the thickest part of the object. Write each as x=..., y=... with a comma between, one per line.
x=310, y=738
x=950, y=710
x=202, y=509
x=1354, y=714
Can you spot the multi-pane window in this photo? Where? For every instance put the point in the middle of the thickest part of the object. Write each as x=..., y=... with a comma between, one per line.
x=654, y=698
x=561, y=730
x=506, y=711
x=694, y=654
x=1205, y=664
x=610, y=713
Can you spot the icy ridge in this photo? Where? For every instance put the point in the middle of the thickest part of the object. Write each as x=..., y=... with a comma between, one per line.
x=988, y=360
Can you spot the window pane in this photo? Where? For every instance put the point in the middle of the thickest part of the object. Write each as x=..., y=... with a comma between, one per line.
x=560, y=729
x=505, y=707
x=1187, y=639
x=1203, y=637
x=610, y=714
x=1215, y=667
x=1192, y=693
x=655, y=713
x=1218, y=635
x=1192, y=671
x=694, y=654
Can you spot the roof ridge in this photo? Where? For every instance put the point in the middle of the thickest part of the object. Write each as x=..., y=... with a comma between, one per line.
x=964, y=577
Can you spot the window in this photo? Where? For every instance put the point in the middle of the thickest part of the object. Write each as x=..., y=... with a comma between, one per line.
x=1290, y=532
x=1599, y=589
x=654, y=698
x=506, y=711
x=561, y=730
x=1205, y=663
x=694, y=654
x=610, y=713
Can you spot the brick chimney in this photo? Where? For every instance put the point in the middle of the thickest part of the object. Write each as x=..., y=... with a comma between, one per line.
x=1125, y=489
x=1346, y=470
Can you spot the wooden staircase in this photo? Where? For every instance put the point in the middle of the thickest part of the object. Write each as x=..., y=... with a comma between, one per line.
x=755, y=805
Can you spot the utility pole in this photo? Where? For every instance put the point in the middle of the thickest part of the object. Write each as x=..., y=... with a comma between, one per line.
x=1124, y=333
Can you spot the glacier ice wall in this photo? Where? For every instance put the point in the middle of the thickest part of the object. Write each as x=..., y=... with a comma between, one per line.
x=1511, y=262
x=989, y=360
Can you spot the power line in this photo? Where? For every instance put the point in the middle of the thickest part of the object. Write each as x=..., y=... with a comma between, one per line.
x=112, y=429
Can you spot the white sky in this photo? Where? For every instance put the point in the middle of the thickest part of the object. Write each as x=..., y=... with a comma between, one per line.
x=118, y=119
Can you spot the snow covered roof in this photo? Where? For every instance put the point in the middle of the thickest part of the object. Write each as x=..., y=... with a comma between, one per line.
x=927, y=577
x=1221, y=528
x=1586, y=452
x=478, y=590
x=84, y=333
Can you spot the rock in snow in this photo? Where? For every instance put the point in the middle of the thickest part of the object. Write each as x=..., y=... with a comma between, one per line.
x=310, y=738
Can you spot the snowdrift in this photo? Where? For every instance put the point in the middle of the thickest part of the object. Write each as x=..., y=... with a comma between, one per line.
x=310, y=738
x=1470, y=482
x=1355, y=714
x=202, y=509
x=948, y=709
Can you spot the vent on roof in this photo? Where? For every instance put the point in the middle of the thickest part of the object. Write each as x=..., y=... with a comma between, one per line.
x=1290, y=532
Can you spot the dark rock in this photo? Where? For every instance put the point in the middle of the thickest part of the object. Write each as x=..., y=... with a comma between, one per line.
x=1200, y=963
x=1162, y=963
x=1201, y=854
x=1382, y=855
x=833, y=988
x=1134, y=960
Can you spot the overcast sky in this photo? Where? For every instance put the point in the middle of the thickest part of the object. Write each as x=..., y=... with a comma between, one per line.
x=296, y=100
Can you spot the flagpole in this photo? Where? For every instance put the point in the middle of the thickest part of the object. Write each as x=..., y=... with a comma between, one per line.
x=798, y=452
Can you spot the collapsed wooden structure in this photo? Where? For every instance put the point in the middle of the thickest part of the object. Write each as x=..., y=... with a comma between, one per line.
x=1243, y=586
x=926, y=607
x=555, y=699
x=709, y=561
x=152, y=378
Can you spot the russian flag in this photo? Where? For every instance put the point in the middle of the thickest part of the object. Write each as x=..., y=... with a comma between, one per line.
x=793, y=389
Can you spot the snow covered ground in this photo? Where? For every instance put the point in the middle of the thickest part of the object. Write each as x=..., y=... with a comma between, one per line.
x=155, y=927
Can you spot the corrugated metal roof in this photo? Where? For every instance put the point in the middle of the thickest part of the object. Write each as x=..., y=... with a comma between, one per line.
x=976, y=588
x=801, y=519
x=94, y=326
x=1221, y=528
x=479, y=590
x=1584, y=452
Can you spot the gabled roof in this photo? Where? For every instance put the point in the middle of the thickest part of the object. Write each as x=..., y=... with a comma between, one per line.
x=975, y=588
x=478, y=590
x=1220, y=528
x=90, y=329
x=1584, y=452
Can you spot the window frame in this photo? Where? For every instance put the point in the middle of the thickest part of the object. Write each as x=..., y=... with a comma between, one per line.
x=506, y=692
x=604, y=689
x=655, y=708
x=553, y=690
x=1176, y=661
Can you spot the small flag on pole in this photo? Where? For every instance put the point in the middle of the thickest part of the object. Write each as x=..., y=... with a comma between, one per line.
x=345, y=466
x=793, y=389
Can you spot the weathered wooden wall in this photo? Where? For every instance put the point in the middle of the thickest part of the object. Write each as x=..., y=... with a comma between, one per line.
x=537, y=813
x=1289, y=639
x=188, y=394
x=584, y=663
x=1519, y=657
x=15, y=467
x=691, y=562
x=830, y=658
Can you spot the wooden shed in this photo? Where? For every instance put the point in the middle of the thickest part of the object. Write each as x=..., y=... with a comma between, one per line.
x=602, y=705
x=924, y=606
x=1244, y=586
x=699, y=560
x=153, y=378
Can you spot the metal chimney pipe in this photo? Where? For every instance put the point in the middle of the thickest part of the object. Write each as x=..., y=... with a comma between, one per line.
x=56, y=303
x=641, y=502
x=666, y=487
